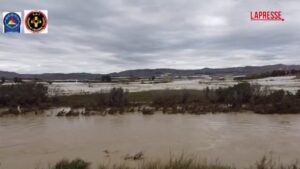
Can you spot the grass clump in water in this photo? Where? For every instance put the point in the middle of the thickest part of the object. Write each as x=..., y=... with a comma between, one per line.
x=75, y=164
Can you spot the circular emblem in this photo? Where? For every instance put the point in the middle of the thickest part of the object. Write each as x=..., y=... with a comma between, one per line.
x=36, y=21
x=12, y=21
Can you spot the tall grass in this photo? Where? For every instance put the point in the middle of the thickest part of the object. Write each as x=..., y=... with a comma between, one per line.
x=176, y=163
x=75, y=164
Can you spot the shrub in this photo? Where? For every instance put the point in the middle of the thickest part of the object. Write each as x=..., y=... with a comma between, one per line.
x=18, y=80
x=3, y=79
x=276, y=96
x=75, y=164
x=236, y=95
x=298, y=94
x=174, y=97
x=106, y=78
x=117, y=97
x=23, y=94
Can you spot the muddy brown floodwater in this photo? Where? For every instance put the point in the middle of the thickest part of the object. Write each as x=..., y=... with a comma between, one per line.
x=241, y=139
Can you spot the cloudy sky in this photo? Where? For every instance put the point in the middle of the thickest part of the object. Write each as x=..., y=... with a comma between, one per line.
x=102, y=36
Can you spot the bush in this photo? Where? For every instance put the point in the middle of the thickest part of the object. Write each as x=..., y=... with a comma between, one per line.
x=243, y=95
x=75, y=164
x=117, y=97
x=276, y=96
x=106, y=78
x=23, y=94
x=170, y=98
x=237, y=95
x=298, y=94
x=284, y=102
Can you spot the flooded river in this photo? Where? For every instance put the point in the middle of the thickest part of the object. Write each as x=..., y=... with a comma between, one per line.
x=241, y=139
x=288, y=83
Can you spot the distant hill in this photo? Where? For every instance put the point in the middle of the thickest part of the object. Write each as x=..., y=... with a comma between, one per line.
x=8, y=75
x=62, y=76
x=52, y=76
x=247, y=70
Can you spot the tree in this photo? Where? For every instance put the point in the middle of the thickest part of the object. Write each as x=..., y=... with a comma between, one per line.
x=118, y=98
x=298, y=94
x=23, y=94
x=3, y=80
x=17, y=80
x=237, y=95
x=152, y=78
x=276, y=96
x=106, y=78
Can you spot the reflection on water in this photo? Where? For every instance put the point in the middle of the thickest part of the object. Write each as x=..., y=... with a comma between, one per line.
x=34, y=141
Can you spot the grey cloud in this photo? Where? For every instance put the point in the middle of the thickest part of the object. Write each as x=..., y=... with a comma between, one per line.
x=104, y=36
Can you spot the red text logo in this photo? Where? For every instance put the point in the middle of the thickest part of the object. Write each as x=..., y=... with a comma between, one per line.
x=266, y=16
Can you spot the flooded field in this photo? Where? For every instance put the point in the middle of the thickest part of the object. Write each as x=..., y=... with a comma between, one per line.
x=289, y=83
x=241, y=139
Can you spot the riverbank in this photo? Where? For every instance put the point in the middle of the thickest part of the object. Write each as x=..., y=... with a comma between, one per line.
x=27, y=98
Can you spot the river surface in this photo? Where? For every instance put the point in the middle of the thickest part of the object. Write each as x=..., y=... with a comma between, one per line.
x=31, y=142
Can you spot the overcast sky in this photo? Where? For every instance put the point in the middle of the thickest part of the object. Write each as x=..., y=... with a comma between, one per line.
x=102, y=36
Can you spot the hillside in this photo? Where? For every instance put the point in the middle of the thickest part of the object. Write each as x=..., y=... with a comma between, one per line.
x=247, y=70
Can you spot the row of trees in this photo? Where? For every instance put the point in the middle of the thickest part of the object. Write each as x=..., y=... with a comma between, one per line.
x=240, y=96
x=254, y=97
x=23, y=94
x=15, y=80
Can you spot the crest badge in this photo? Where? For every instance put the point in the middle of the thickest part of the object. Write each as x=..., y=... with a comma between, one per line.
x=36, y=21
x=12, y=22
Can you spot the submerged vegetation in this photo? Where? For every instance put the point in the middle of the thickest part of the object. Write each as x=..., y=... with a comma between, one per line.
x=25, y=94
x=75, y=164
x=240, y=97
x=175, y=163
